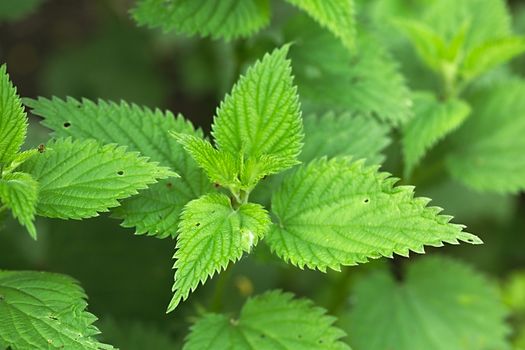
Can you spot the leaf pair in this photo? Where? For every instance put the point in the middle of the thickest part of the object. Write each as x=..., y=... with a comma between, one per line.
x=67, y=179
x=462, y=47
x=328, y=213
x=258, y=131
x=232, y=18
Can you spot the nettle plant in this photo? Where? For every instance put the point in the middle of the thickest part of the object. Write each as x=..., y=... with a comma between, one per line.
x=309, y=187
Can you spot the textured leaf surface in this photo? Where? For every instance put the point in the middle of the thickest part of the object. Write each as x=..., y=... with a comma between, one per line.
x=221, y=167
x=13, y=122
x=366, y=81
x=155, y=210
x=41, y=310
x=344, y=134
x=486, y=20
x=211, y=234
x=491, y=54
x=78, y=179
x=441, y=305
x=489, y=147
x=19, y=192
x=269, y=321
x=333, y=213
x=432, y=121
x=261, y=115
x=337, y=15
x=216, y=18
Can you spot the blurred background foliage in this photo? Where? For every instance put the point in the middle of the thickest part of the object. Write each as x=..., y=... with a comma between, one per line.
x=91, y=48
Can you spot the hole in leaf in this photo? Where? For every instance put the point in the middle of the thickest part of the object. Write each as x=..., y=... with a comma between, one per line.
x=67, y=124
x=120, y=172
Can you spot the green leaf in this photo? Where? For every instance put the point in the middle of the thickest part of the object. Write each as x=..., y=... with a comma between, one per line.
x=211, y=234
x=337, y=15
x=366, y=81
x=334, y=213
x=79, y=179
x=487, y=151
x=19, y=192
x=41, y=310
x=429, y=45
x=156, y=210
x=486, y=19
x=221, y=167
x=433, y=120
x=491, y=54
x=261, y=116
x=13, y=121
x=441, y=305
x=273, y=320
x=226, y=19
x=344, y=134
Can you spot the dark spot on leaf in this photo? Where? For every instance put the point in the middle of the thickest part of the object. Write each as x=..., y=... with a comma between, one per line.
x=197, y=224
x=320, y=341
x=54, y=318
x=169, y=185
x=216, y=185
x=367, y=200
x=120, y=172
x=299, y=336
x=263, y=336
x=1, y=297
x=67, y=124
x=41, y=148
x=265, y=177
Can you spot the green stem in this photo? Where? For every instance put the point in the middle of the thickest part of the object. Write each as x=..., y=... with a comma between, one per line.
x=341, y=291
x=216, y=303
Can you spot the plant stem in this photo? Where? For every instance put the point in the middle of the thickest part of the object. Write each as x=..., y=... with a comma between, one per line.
x=216, y=303
x=341, y=291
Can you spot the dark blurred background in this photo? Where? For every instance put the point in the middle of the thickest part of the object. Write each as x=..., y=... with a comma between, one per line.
x=91, y=48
